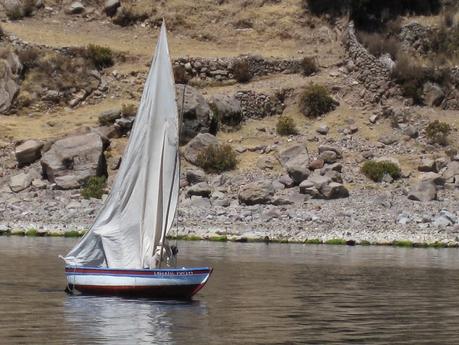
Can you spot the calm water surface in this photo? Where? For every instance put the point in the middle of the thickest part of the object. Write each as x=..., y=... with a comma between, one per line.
x=258, y=294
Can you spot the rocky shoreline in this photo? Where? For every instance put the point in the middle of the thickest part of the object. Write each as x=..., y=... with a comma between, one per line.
x=366, y=217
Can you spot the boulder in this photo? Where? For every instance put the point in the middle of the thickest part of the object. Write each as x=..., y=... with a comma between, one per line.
x=197, y=115
x=426, y=165
x=227, y=109
x=198, y=144
x=316, y=164
x=194, y=176
x=452, y=171
x=265, y=162
x=337, y=150
x=433, y=177
x=329, y=157
x=39, y=184
x=200, y=189
x=295, y=160
x=423, y=191
x=108, y=117
x=286, y=181
x=10, y=69
x=28, y=152
x=388, y=139
x=323, y=129
x=411, y=131
x=433, y=94
x=77, y=158
x=20, y=182
x=260, y=192
x=111, y=6
x=75, y=7
x=334, y=190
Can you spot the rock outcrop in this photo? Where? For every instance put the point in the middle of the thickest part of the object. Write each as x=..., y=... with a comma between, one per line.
x=10, y=69
x=28, y=152
x=197, y=145
x=295, y=160
x=259, y=192
x=425, y=190
x=227, y=109
x=197, y=115
x=71, y=161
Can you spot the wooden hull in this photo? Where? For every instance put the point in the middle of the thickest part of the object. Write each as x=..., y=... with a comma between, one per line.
x=180, y=283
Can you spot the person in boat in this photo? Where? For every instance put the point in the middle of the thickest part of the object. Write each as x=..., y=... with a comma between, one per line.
x=169, y=256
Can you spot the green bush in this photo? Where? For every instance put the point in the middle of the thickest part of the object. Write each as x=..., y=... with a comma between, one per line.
x=241, y=71
x=94, y=187
x=376, y=170
x=309, y=66
x=101, y=57
x=286, y=126
x=217, y=158
x=180, y=75
x=128, y=16
x=316, y=100
x=411, y=77
x=437, y=132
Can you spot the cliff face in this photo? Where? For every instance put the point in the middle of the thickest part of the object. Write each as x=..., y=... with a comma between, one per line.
x=245, y=70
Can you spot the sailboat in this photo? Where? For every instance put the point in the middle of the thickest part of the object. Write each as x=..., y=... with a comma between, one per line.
x=125, y=252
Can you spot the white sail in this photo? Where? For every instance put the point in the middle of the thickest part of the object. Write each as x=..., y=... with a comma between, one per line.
x=142, y=204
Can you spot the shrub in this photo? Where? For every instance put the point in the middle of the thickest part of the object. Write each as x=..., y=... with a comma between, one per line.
x=128, y=110
x=29, y=58
x=437, y=132
x=28, y=7
x=378, y=44
x=94, y=187
x=2, y=33
x=376, y=170
x=309, y=66
x=286, y=126
x=128, y=16
x=316, y=100
x=101, y=57
x=241, y=71
x=445, y=41
x=217, y=158
x=411, y=77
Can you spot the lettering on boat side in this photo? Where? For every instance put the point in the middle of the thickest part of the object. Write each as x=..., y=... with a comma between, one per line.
x=187, y=273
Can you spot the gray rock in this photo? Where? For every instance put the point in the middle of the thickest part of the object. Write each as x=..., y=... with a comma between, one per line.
x=10, y=70
x=197, y=115
x=265, y=163
x=411, y=131
x=228, y=109
x=200, y=202
x=75, y=7
x=323, y=129
x=426, y=165
x=334, y=190
x=374, y=118
x=317, y=163
x=78, y=157
x=200, y=189
x=28, y=152
x=124, y=124
x=286, y=181
x=108, y=117
x=328, y=156
x=423, y=191
x=281, y=200
x=39, y=184
x=442, y=221
x=197, y=145
x=337, y=150
x=295, y=160
x=253, y=193
x=433, y=177
x=388, y=139
x=20, y=182
x=111, y=6
x=194, y=176
x=452, y=171
x=278, y=186
x=433, y=94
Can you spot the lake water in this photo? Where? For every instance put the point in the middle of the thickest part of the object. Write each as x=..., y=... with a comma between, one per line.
x=258, y=294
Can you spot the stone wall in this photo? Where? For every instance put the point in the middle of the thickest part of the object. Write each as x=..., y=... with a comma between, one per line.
x=258, y=105
x=221, y=68
x=370, y=71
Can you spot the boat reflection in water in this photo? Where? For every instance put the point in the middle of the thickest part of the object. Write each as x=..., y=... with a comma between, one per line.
x=113, y=320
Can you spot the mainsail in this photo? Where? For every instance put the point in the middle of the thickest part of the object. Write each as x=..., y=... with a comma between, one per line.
x=141, y=206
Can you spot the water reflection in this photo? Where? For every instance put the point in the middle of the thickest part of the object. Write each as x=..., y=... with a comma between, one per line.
x=130, y=321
